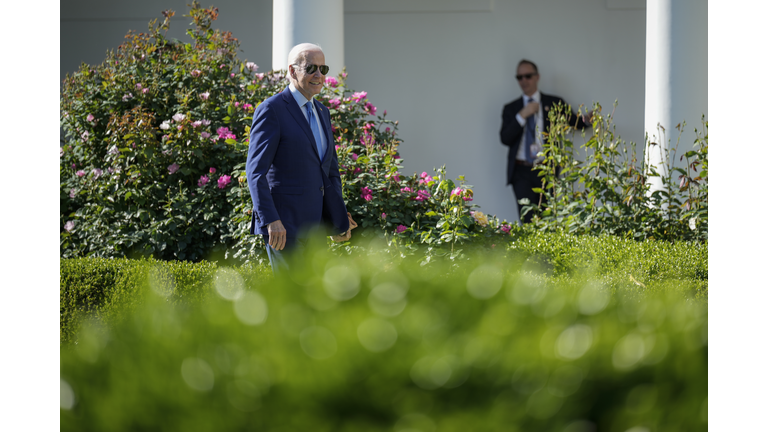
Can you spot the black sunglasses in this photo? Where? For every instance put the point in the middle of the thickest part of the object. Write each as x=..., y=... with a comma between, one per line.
x=310, y=69
x=526, y=76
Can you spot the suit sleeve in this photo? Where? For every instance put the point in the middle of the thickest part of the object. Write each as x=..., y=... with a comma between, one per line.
x=265, y=137
x=510, y=128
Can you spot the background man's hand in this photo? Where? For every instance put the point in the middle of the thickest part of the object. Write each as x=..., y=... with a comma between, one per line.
x=277, y=235
x=347, y=235
x=530, y=109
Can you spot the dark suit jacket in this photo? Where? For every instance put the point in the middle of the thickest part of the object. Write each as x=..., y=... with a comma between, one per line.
x=287, y=179
x=511, y=131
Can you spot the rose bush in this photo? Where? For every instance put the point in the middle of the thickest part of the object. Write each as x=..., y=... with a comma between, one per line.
x=154, y=149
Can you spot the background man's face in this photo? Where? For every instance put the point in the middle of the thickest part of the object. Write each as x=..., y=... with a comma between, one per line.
x=528, y=85
x=310, y=84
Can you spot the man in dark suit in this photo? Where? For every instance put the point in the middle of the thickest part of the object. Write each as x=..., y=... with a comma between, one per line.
x=293, y=170
x=522, y=122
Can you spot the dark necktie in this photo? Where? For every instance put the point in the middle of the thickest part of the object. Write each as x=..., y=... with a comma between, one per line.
x=530, y=135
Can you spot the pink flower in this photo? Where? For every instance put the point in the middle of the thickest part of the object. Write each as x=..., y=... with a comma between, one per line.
x=385, y=113
x=179, y=127
x=232, y=75
x=331, y=81
x=401, y=229
x=506, y=228
x=237, y=104
x=173, y=168
x=344, y=75
x=90, y=118
x=358, y=96
x=354, y=156
x=247, y=107
x=203, y=180
x=366, y=194
x=206, y=122
x=260, y=76
x=80, y=173
x=456, y=192
x=221, y=66
x=195, y=73
x=61, y=152
x=85, y=135
x=357, y=170
x=97, y=173
x=387, y=129
x=69, y=226
x=212, y=170
x=178, y=117
x=334, y=103
x=370, y=108
x=138, y=86
x=405, y=189
x=225, y=133
x=421, y=195
x=383, y=215
x=251, y=66
x=224, y=181
x=205, y=135
x=196, y=124
x=72, y=193
x=145, y=91
x=127, y=96
x=204, y=96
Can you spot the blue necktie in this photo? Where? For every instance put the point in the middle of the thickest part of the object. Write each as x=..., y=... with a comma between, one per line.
x=315, y=130
x=530, y=137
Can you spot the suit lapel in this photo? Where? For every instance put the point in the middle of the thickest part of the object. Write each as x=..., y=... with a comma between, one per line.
x=295, y=111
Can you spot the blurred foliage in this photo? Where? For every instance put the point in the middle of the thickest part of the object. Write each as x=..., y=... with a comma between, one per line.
x=370, y=342
x=152, y=161
x=609, y=191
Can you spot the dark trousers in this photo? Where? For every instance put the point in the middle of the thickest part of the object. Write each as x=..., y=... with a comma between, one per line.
x=524, y=179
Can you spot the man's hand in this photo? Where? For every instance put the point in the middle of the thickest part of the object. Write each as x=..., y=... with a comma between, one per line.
x=277, y=235
x=529, y=110
x=347, y=235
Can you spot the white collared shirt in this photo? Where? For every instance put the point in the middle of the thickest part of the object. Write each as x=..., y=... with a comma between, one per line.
x=301, y=100
x=539, y=118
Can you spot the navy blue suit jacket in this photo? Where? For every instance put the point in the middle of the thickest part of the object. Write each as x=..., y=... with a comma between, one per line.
x=511, y=131
x=287, y=179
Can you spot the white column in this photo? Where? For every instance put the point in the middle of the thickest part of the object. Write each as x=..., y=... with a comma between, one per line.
x=319, y=22
x=675, y=76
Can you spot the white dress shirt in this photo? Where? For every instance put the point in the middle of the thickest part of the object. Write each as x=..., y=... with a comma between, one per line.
x=539, y=120
x=301, y=100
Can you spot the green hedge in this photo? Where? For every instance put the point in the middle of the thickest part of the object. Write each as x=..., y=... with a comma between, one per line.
x=550, y=334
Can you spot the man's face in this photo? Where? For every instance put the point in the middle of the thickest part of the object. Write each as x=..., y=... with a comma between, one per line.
x=528, y=85
x=309, y=84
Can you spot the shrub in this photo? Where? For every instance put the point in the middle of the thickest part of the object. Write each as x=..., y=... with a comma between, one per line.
x=355, y=343
x=108, y=289
x=156, y=138
x=608, y=192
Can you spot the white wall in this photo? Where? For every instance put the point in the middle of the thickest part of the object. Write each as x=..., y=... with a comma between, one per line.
x=446, y=75
x=443, y=68
x=89, y=28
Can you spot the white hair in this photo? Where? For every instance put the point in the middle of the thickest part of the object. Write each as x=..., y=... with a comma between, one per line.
x=297, y=53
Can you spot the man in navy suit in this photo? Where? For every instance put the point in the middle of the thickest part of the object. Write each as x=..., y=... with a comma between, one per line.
x=523, y=120
x=293, y=170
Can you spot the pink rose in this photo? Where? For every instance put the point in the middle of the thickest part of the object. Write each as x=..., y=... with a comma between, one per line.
x=212, y=170
x=224, y=181
x=173, y=168
x=383, y=215
x=331, y=81
x=80, y=173
x=401, y=229
x=203, y=180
